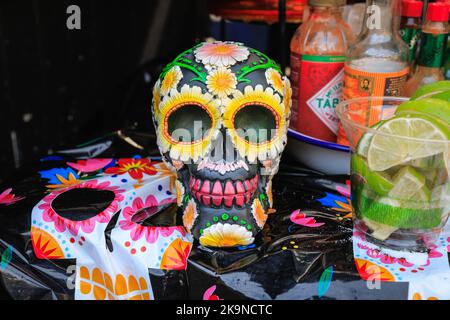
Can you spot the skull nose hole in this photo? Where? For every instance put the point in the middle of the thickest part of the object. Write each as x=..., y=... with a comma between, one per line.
x=224, y=143
x=213, y=152
x=82, y=203
x=216, y=153
x=230, y=152
x=223, y=148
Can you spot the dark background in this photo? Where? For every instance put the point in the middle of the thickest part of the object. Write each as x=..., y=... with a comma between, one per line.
x=60, y=87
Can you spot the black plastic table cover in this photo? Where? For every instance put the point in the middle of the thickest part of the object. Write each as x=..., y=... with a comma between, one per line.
x=306, y=250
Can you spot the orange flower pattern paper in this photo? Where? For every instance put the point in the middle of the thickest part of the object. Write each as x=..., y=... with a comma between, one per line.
x=136, y=168
x=112, y=262
x=175, y=256
x=427, y=274
x=98, y=285
x=104, y=222
x=429, y=278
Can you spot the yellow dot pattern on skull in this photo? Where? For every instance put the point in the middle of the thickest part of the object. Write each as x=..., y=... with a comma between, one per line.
x=104, y=287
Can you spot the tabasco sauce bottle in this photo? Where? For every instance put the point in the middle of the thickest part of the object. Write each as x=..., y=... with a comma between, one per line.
x=318, y=51
x=377, y=63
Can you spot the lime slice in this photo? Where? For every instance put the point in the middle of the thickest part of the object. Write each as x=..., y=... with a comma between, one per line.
x=410, y=184
x=434, y=107
x=424, y=194
x=394, y=213
x=431, y=89
x=440, y=197
x=433, y=162
x=431, y=176
x=363, y=144
x=442, y=96
x=380, y=182
x=388, y=151
x=432, y=168
x=379, y=231
x=447, y=162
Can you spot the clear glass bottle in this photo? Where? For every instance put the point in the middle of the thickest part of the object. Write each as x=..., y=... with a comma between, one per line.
x=318, y=50
x=377, y=63
x=432, y=48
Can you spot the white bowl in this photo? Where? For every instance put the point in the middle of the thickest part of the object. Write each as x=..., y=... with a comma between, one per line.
x=323, y=156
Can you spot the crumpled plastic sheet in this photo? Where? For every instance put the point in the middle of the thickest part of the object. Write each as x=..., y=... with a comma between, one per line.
x=304, y=252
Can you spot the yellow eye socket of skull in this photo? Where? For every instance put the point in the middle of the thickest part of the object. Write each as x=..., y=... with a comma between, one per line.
x=188, y=123
x=256, y=123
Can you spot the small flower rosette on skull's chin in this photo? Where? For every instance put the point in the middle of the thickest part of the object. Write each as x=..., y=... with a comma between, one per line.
x=221, y=112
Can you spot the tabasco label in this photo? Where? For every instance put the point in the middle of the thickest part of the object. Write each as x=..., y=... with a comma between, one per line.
x=358, y=83
x=317, y=88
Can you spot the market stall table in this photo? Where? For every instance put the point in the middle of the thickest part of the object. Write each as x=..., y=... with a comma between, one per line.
x=306, y=251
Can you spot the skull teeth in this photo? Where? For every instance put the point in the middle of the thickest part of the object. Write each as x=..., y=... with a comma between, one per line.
x=239, y=187
x=229, y=189
x=217, y=188
x=228, y=193
x=240, y=200
x=205, y=187
x=206, y=200
x=222, y=167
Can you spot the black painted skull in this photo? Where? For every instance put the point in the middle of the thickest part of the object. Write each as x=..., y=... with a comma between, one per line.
x=221, y=112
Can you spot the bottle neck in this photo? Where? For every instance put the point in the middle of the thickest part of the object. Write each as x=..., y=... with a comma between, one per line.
x=435, y=27
x=410, y=22
x=325, y=12
x=379, y=19
x=423, y=72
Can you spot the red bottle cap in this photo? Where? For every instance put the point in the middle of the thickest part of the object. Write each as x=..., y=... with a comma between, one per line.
x=438, y=11
x=445, y=1
x=412, y=8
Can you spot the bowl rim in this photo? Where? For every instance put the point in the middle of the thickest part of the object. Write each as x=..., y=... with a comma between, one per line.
x=317, y=142
x=340, y=110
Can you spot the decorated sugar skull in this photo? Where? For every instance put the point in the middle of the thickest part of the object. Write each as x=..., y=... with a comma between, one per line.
x=221, y=113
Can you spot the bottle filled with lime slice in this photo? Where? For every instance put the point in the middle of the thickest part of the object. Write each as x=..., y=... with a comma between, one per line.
x=400, y=175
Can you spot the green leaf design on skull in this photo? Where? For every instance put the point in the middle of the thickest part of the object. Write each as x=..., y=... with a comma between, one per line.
x=264, y=63
x=188, y=64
